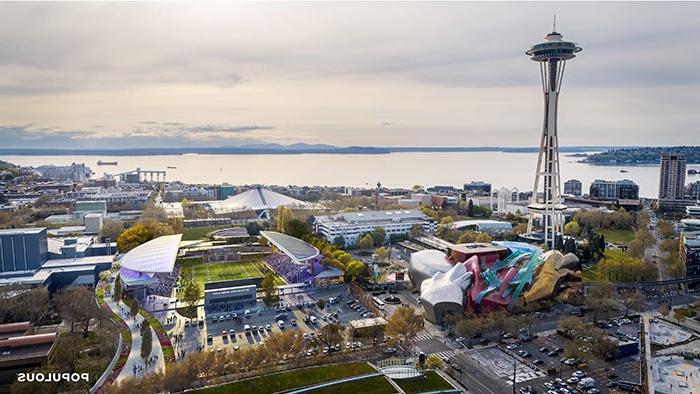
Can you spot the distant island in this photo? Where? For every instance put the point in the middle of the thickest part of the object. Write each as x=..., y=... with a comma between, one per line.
x=277, y=149
x=641, y=155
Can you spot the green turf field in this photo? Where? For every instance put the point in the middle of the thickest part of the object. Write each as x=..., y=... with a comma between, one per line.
x=375, y=385
x=431, y=381
x=289, y=380
x=216, y=272
x=617, y=236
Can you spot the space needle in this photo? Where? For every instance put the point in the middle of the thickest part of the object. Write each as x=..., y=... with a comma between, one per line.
x=546, y=201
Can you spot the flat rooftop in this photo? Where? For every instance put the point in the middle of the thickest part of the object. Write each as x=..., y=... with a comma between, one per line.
x=19, y=231
x=478, y=248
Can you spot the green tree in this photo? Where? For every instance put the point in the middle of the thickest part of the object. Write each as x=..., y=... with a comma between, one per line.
x=339, y=241
x=269, y=288
x=470, y=208
x=484, y=238
x=378, y=236
x=253, y=228
x=146, y=340
x=356, y=270
x=191, y=294
x=467, y=237
x=321, y=303
x=297, y=228
x=134, y=307
x=382, y=254
x=366, y=242
x=635, y=248
x=133, y=237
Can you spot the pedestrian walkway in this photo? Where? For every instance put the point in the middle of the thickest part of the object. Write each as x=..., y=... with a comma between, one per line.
x=135, y=365
x=423, y=337
x=445, y=354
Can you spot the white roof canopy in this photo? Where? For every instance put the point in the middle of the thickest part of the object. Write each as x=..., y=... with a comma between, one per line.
x=156, y=255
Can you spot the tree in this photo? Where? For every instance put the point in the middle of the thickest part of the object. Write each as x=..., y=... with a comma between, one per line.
x=467, y=237
x=665, y=229
x=297, y=228
x=378, y=236
x=133, y=237
x=366, y=242
x=600, y=298
x=356, y=270
x=269, y=288
x=470, y=208
x=664, y=309
x=570, y=246
x=134, y=308
x=253, y=228
x=339, y=241
x=520, y=228
x=331, y=334
x=117, y=295
x=321, y=303
x=484, y=238
x=78, y=306
x=434, y=361
x=416, y=187
x=382, y=254
x=405, y=324
x=191, y=294
x=572, y=228
x=636, y=248
x=111, y=229
x=416, y=231
x=146, y=340
x=469, y=327
x=632, y=300
x=284, y=215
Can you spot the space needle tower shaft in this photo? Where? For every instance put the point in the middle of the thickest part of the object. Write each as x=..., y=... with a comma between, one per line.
x=546, y=202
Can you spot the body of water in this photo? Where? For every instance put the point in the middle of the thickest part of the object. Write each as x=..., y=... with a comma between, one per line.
x=392, y=170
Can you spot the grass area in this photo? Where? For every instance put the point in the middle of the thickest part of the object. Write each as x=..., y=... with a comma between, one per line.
x=375, y=385
x=431, y=381
x=195, y=233
x=292, y=379
x=215, y=272
x=591, y=274
x=617, y=236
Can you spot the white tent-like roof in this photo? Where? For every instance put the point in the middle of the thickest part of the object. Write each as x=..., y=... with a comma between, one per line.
x=156, y=255
x=257, y=199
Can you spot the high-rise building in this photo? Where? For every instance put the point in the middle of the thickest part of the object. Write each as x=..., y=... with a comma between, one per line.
x=573, y=187
x=551, y=55
x=672, y=182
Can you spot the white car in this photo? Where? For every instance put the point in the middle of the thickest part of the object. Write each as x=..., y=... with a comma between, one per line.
x=281, y=324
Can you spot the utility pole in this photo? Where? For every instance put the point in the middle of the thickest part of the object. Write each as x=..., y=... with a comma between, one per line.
x=515, y=361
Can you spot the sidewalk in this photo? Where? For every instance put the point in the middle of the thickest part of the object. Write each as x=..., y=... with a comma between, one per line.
x=134, y=358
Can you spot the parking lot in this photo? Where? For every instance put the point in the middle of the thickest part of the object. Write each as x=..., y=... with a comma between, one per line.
x=240, y=329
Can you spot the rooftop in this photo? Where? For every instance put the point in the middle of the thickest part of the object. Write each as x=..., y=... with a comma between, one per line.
x=374, y=216
x=23, y=231
x=156, y=255
x=295, y=248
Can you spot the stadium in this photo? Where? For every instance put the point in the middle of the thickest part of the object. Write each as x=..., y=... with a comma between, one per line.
x=150, y=272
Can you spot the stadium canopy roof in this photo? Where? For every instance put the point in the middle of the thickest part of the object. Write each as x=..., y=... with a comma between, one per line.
x=156, y=255
x=296, y=249
x=257, y=199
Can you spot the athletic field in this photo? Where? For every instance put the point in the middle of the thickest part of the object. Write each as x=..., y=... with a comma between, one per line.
x=216, y=272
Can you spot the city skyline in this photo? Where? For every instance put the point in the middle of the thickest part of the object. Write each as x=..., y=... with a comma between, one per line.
x=159, y=75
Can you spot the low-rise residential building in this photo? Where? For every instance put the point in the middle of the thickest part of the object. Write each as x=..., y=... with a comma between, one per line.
x=573, y=187
x=353, y=225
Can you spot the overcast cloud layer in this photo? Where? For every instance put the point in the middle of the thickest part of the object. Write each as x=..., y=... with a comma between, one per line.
x=385, y=74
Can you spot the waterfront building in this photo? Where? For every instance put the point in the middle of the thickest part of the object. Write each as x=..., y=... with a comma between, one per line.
x=477, y=188
x=551, y=56
x=573, y=187
x=74, y=172
x=626, y=189
x=353, y=225
x=601, y=189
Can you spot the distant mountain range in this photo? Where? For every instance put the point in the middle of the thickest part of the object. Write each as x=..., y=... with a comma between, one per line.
x=271, y=148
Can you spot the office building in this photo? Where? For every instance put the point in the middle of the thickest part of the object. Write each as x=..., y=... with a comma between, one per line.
x=477, y=188
x=353, y=225
x=22, y=249
x=573, y=187
x=548, y=209
x=694, y=190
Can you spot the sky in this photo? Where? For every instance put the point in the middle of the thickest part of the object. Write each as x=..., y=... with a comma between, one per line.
x=125, y=75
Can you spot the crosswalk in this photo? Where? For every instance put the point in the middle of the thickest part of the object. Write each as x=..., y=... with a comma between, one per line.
x=445, y=354
x=423, y=337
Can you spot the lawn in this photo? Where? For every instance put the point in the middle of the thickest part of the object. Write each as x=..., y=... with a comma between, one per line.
x=375, y=385
x=431, y=381
x=290, y=380
x=617, y=236
x=195, y=233
x=215, y=272
x=591, y=274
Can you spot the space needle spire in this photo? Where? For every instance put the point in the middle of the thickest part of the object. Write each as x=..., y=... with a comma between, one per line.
x=546, y=202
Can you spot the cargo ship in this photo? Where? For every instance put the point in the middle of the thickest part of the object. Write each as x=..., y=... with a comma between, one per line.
x=106, y=163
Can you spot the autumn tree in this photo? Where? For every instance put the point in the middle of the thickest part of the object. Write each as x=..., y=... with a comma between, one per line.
x=269, y=289
x=664, y=309
x=117, y=295
x=366, y=242
x=382, y=254
x=356, y=270
x=572, y=228
x=632, y=300
x=331, y=334
x=467, y=237
x=416, y=230
x=404, y=324
x=284, y=215
x=111, y=229
x=600, y=298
